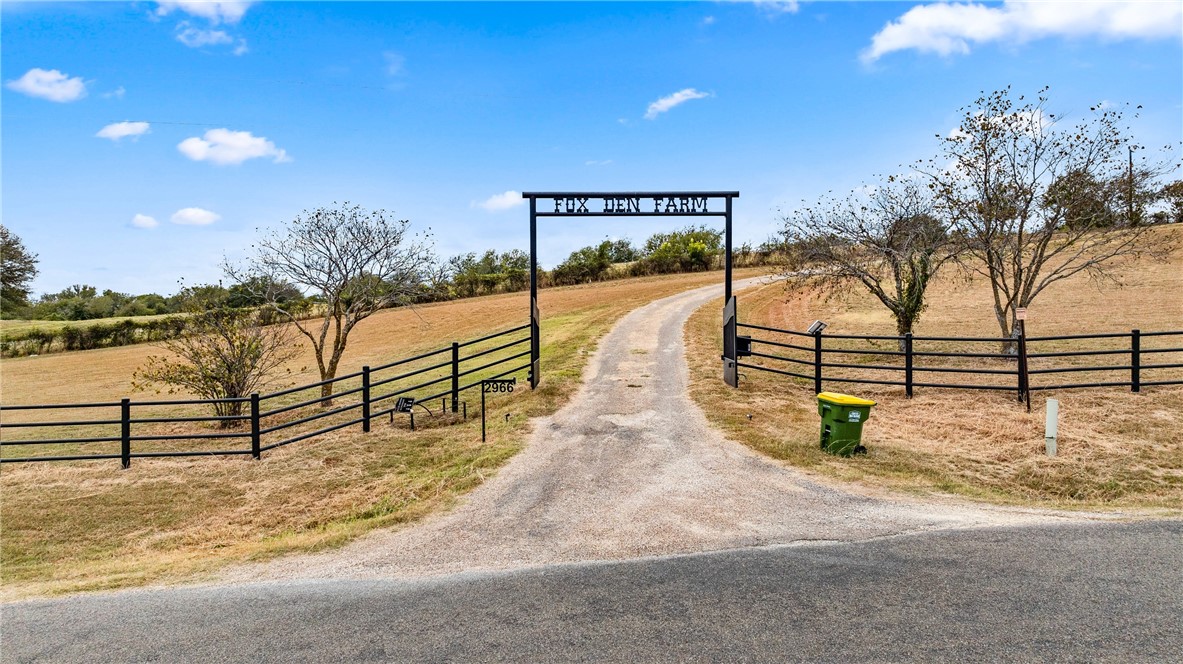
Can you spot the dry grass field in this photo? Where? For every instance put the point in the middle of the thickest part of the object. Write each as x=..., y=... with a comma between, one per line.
x=75, y=526
x=1116, y=449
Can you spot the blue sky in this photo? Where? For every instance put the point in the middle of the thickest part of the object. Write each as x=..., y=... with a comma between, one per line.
x=255, y=111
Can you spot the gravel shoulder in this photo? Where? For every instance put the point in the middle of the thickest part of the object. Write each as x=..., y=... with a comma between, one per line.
x=630, y=468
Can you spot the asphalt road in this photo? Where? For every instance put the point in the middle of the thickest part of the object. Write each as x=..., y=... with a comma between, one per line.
x=1079, y=592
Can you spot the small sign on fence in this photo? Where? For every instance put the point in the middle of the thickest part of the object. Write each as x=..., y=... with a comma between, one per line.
x=1021, y=313
x=404, y=404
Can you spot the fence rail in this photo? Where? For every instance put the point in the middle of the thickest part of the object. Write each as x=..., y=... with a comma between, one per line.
x=964, y=357
x=358, y=391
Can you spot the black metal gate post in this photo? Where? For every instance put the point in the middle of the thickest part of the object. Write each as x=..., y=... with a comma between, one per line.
x=365, y=399
x=727, y=260
x=125, y=433
x=908, y=364
x=817, y=362
x=455, y=374
x=1024, y=376
x=625, y=204
x=1135, y=361
x=255, y=437
x=535, y=337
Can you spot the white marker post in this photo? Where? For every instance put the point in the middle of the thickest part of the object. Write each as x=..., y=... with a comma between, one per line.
x=1051, y=426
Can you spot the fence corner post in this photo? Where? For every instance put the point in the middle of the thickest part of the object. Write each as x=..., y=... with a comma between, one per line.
x=908, y=364
x=455, y=374
x=255, y=425
x=817, y=362
x=365, y=399
x=125, y=433
x=1135, y=360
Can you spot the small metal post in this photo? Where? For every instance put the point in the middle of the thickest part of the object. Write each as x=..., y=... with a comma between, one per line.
x=255, y=425
x=464, y=405
x=1135, y=360
x=482, y=412
x=365, y=399
x=1051, y=426
x=817, y=362
x=455, y=375
x=412, y=414
x=125, y=433
x=908, y=364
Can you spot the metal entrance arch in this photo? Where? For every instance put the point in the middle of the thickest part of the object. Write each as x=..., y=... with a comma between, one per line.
x=634, y=204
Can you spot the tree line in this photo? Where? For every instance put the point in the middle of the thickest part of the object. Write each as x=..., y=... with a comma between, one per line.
x=1014, y=195
x=466, y=275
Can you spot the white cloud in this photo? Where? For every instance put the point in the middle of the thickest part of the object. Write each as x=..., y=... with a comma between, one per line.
x=144, y=221
x=193, y=216
x=214, y=12
x=222, y=147
x=241, y=49
x=499, y=202
x=776, y=6
x=120, y=130
x=49, y=84
x=709, y=20
x=947, y=29
x=666, y=103
x=394, y=63
x=196, y=37
x=117, y=93
x=593, y=162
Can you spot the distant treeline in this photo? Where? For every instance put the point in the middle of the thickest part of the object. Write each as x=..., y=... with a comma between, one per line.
x=691, y=249
x=38, y=341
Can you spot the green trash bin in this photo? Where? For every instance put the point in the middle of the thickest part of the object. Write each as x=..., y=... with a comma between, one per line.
x=842, y=422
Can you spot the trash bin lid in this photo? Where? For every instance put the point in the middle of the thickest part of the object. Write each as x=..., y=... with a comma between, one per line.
x=843, y=399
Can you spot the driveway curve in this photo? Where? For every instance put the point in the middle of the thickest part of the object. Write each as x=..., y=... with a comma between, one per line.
x=631, y=468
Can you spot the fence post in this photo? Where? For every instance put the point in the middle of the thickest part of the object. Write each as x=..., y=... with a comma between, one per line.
x=817, y=362
x=1135, y=360
x=1024, y=378
x=908, y=363
x=455, y=374
x=125, y=433
x=255, y=425
x=365, y=399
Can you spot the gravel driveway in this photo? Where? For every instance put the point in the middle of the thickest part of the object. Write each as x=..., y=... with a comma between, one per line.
x=631, y=468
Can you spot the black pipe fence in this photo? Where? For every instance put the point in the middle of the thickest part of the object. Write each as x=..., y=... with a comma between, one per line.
x=357, y=399
x=1018, y=364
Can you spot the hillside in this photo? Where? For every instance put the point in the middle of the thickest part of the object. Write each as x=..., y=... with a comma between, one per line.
x=1116, y=448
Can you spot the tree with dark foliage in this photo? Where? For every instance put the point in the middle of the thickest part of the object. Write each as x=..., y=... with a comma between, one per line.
x=18, y=267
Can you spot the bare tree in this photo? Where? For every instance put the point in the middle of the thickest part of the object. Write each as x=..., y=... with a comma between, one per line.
x=226, y=353
x=351, y=261
x=887, y=239
x=1031, y=201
